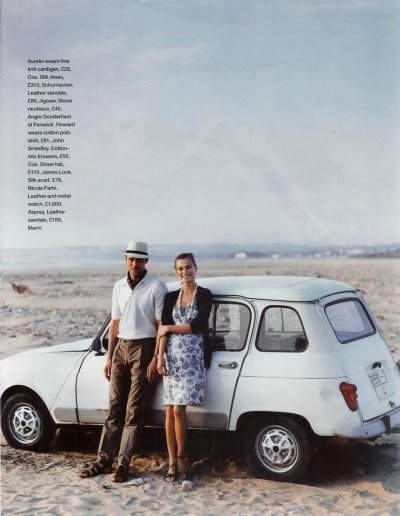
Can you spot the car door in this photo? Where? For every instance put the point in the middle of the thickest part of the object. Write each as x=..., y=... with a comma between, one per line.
x=92, y=390
x=230, y=324
x=91, y=385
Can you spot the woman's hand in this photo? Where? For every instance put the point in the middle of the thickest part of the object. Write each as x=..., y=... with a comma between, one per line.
x=163, y=330
x=161, y=366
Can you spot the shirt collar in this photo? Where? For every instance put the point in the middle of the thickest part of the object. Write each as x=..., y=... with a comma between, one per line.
x=132, y=284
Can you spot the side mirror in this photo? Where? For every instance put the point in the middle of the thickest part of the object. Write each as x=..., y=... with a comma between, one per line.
x=96, y=346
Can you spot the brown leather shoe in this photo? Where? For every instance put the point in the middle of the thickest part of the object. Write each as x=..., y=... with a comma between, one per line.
x=121, y=474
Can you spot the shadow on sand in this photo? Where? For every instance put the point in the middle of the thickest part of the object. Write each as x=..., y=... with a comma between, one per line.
x=220, y=454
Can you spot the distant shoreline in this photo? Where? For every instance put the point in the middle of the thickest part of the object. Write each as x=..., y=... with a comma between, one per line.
x=91, y=263
x=111, y=256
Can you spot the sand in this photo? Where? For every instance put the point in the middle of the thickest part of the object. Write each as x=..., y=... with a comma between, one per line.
x=66, y=305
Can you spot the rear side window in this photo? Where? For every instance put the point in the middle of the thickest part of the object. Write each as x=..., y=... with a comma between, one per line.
x=349, y=320
x=281, y=330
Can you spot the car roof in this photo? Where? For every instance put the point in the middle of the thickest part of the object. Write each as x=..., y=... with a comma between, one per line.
x=279, y=288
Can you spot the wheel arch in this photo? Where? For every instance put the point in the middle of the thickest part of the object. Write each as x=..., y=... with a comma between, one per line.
x=247, y=417
x=19, y=389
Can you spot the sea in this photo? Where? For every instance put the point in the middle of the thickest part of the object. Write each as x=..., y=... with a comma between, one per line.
x=110, y=256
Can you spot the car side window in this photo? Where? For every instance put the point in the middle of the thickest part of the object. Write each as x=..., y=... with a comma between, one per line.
x=281, y=330
x=229, y=325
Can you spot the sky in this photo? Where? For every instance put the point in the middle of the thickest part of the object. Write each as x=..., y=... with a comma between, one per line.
x=242, y=121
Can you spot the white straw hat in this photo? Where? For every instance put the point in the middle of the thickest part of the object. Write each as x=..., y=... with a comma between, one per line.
x=137, y=249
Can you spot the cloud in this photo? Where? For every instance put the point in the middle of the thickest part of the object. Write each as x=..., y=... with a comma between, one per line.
x=96, y=49
x=169, y=57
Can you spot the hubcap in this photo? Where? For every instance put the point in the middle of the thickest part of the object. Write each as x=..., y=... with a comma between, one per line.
x=277, y=449
x=25, y=424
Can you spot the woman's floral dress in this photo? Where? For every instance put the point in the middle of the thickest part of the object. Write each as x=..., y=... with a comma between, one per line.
x=184, y=356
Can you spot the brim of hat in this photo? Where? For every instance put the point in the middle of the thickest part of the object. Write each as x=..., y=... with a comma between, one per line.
x=136, y=255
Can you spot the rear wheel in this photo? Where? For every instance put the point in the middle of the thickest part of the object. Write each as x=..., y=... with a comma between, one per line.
x=278, y=447
x=26, y=423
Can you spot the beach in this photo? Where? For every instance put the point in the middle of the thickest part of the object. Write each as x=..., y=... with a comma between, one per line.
x=42, y=308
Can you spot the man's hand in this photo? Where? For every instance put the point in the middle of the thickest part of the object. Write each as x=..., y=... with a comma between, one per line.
x=152, y=374
x=107, y=368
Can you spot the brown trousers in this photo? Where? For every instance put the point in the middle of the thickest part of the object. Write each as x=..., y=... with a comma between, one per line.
x=128, y=400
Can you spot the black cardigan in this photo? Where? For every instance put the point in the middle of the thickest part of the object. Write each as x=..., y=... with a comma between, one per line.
x=199, y=324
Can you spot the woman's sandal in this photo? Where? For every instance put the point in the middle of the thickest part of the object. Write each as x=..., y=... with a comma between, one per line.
x=171, y=477
x=182, y=475
x=95, y=469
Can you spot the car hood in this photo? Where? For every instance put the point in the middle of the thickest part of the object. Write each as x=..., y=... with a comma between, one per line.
x=78, y=346
x=43, y=370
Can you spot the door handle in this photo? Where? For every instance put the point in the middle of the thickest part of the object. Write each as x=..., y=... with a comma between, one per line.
x=228, y=365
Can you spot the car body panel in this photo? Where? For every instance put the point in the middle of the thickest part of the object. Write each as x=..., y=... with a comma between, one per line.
x=368, y=364
x=46, y=374
x=373, y=400
x=317, y=361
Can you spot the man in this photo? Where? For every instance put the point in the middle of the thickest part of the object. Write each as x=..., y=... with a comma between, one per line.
x=137, y=303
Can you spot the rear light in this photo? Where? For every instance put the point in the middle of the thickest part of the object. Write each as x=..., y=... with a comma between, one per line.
x=349, y=392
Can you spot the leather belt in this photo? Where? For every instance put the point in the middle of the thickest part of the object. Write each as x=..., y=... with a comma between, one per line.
x=135, y=341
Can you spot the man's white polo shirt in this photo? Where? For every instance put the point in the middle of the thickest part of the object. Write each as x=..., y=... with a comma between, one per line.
x=138, y=309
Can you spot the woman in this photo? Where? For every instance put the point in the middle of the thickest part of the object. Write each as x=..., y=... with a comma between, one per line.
x=184, y=351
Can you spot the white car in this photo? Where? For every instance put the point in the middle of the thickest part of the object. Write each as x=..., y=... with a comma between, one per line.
x=294, y=359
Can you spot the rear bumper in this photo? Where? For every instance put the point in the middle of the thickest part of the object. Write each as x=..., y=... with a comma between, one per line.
x=375, y=427
x=390, y=421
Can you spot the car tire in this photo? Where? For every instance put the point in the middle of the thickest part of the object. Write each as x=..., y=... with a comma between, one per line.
x=26, y=423
x=278, y=447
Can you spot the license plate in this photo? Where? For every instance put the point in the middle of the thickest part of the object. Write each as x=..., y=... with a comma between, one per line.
x=380, y=383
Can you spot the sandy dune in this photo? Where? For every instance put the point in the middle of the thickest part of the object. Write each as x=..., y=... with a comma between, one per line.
x=61, y=306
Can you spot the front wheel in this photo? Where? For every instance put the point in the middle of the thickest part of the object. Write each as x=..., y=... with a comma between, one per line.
x=278, y=447
x=26, y=423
